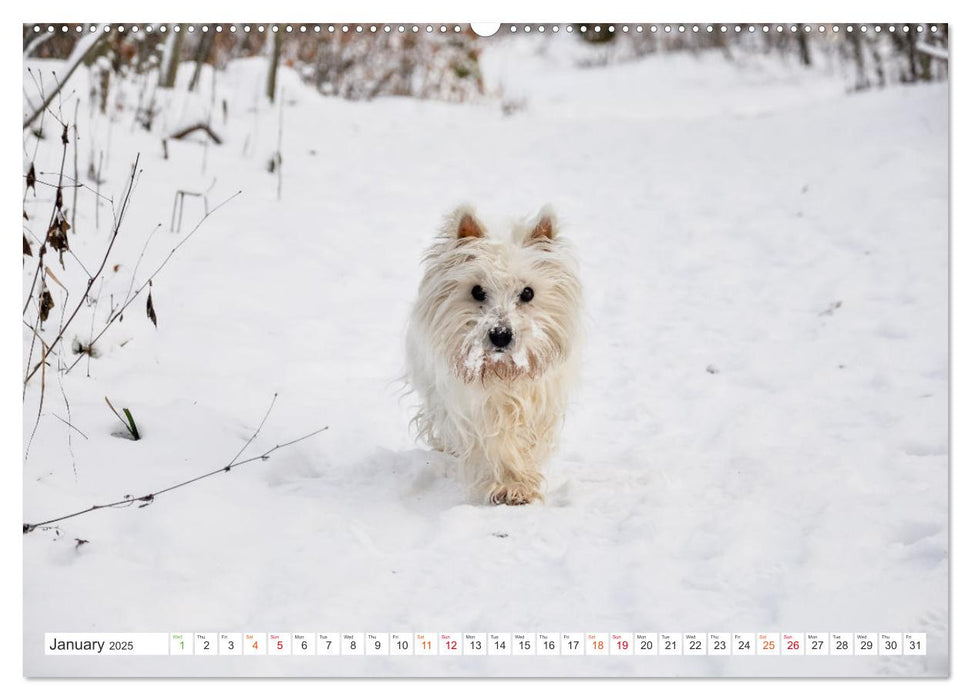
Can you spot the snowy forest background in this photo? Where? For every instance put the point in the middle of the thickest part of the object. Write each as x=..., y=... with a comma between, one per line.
x=441, y=62
x=222, y=228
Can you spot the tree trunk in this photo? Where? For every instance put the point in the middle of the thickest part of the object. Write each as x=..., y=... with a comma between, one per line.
x=910, y=42
x=83, y=51
x=274, y=64
x=202, y=53
x=804, y=46
x=878, y=64
x=170, y=63
x=861, y=80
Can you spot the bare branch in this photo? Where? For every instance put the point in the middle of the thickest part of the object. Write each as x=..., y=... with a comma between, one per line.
x=117, y=314
x=85, y=48
x=101, y=267
x=149, y=498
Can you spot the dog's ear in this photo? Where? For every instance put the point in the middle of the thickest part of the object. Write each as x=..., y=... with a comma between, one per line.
x=464, y=224
x=469, y=226
x=545, y=227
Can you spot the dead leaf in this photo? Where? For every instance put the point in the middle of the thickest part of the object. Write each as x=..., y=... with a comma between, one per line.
x=51, y=274
x=79, y=348
x=113, y=410
x=57, y=233
x=150, y=306
x=46, y=304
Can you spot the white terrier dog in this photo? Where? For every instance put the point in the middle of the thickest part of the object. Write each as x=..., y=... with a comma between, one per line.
x=493, y=349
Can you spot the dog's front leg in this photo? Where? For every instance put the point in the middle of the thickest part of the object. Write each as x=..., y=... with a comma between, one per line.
x=516, y=491
x=513, y=476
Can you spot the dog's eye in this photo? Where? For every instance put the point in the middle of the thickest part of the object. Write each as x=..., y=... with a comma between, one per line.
x=478, y=293
x=526, y=295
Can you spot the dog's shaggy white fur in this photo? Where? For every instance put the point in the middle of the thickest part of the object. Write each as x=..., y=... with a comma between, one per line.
x=492, y=350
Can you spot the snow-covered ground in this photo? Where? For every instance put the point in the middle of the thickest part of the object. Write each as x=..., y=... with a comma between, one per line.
x=760, y=442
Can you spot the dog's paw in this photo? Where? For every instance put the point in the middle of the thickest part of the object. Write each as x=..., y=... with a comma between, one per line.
x=513, y=495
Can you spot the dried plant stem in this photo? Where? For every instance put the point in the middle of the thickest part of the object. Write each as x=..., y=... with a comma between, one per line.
x=40, y=255
x=79, y=185
x=149, y=498
x=74, y=202
x=101, y=267
x=257, y=431
x=40, y=274
x=114, y=316
x=70, y=441
x=279, y=151
x=40, y=403
x=97, y=192
x=30, y=294
x=94, y=313
x=87, y=48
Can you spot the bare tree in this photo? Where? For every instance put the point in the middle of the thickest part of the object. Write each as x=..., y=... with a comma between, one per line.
x=170, y=57
x=83, y=51
x=804, y=46
x=202, y=55
x=274, y=64
x=857, y=43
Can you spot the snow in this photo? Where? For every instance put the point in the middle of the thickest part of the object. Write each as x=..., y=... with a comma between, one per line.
x=760, y=442
x=935, y=51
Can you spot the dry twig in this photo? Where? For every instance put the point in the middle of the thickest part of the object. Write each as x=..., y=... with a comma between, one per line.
x=149, y=498
x=91, y=280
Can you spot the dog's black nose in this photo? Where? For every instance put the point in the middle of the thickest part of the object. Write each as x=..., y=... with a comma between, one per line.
x=500, y=336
